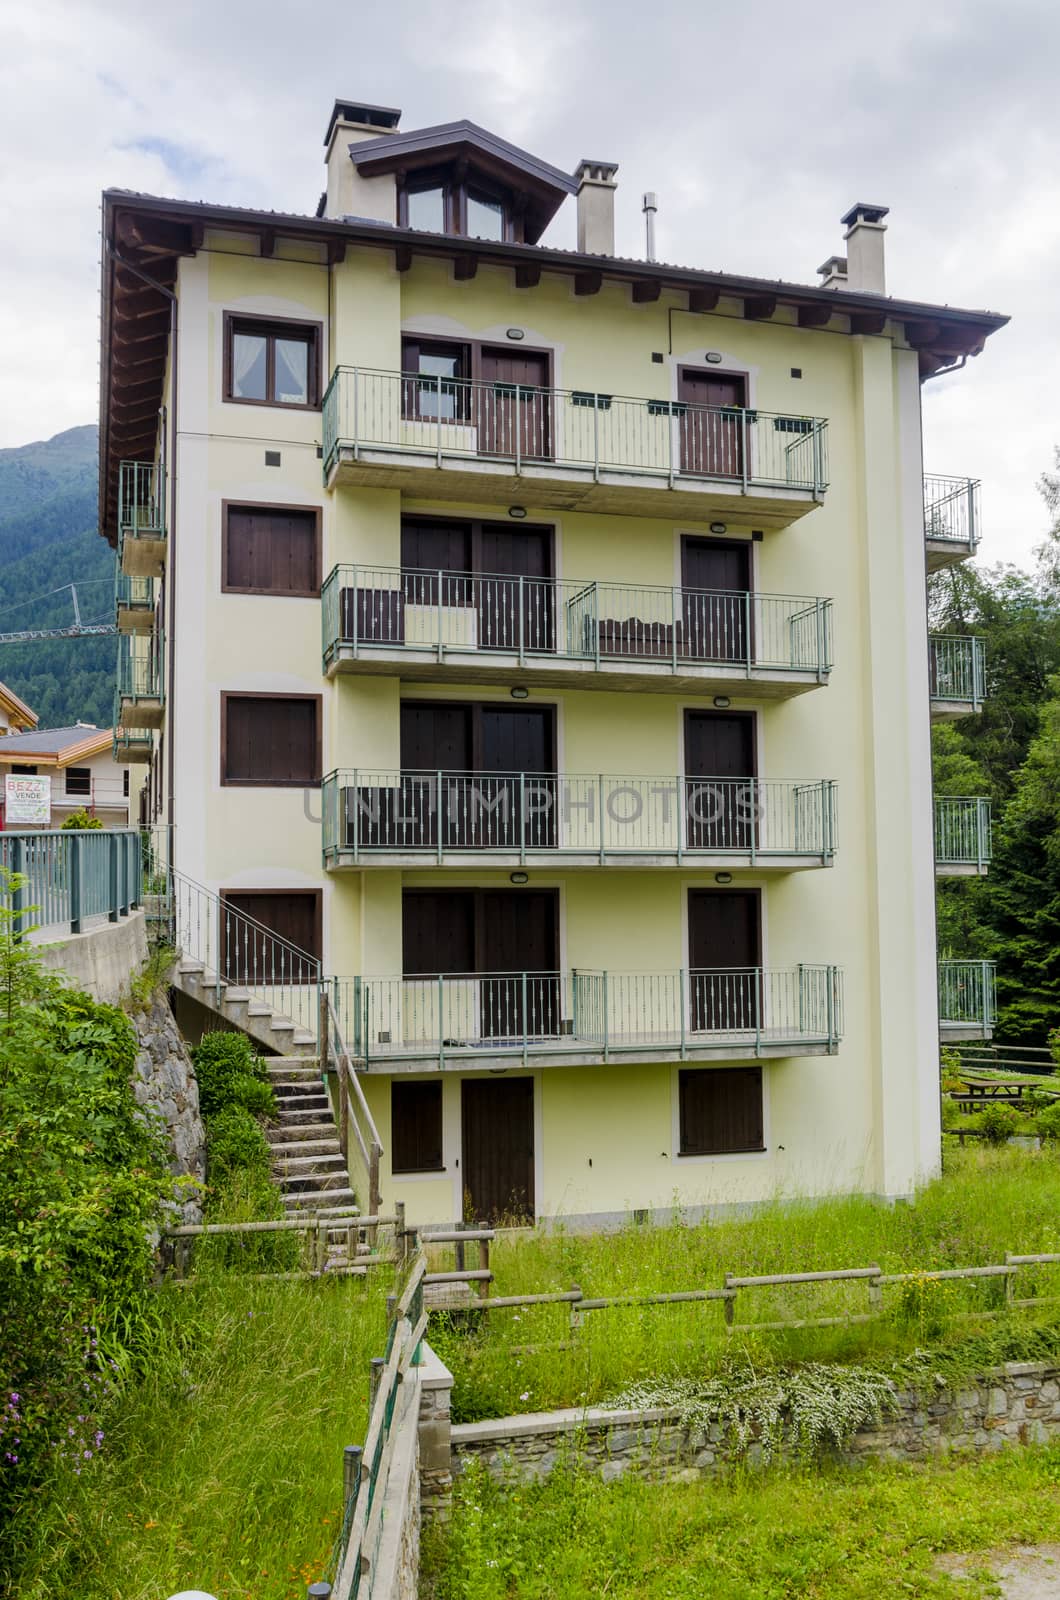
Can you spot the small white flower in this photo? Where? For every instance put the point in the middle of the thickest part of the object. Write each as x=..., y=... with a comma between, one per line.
x=525, y=1396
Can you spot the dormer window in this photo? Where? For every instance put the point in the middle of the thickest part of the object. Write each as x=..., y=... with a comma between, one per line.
x=459, y=202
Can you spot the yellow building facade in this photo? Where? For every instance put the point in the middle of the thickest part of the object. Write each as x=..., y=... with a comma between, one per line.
x=539, y=645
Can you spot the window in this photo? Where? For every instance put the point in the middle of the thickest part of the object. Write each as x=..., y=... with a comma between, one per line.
x=425, y=208
x=485, y=217
x=416, y=1126
x=272, y=363
x=22, y=771
x=444, y=200
x=270, y=740
x=720, y=1111
x=125, y=783
x=79, y=780
x=271, y=550
x=441, y=390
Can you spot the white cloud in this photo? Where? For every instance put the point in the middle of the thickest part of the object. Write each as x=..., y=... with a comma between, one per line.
x=757, y=125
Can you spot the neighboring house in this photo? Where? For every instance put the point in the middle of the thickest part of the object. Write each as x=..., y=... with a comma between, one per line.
x=80, y=763
x=15, y=714
x=538, y=639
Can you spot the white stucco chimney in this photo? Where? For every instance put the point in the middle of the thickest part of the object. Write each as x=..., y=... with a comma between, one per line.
x=864, y=241
x=596, y=207
x=348, y=194
x=833, y=273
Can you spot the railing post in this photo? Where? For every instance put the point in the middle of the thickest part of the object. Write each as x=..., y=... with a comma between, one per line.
x=973, y=538
x=518, y=434
x=351, y=1472
x=758, y=1010
x=830, y=975
x=747, y=634
x=743, y=449
x=522, y=620
x=980, y=832
x=18, y=899
x=522, y=819
x=356, y=417
x=671, y=417
x=682, y=1006
x=440, y=645
x=438, y=417
x=600, y=811
x=822, y=651
x=113, y=867
x=526, y=1019
x=673, y=629
x=323, y=1029
x=605, y=989
x=441, y=1019
x=75, y=882
x=754, y=788
x=438, y=814
x=596, y=437
x=818, y=465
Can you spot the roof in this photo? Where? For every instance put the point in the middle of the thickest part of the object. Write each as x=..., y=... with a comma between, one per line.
x=16, y=709
x=59, y=747
x=146, y=235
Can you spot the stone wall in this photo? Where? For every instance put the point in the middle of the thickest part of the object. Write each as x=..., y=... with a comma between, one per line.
x=164, y=1082
x=1013, y=1405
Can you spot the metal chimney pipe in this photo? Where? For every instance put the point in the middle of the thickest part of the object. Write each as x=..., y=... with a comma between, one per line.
x=649, y=206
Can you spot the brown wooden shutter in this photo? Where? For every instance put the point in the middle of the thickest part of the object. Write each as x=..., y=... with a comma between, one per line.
x=721, y=1110
x=271, y=550
x=271, y=740
x=416, y=1126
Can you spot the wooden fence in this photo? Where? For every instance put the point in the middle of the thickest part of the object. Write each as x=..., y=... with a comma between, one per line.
x=355, y=1253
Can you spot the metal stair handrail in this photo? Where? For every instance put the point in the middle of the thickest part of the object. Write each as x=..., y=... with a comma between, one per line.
x=353, y=1109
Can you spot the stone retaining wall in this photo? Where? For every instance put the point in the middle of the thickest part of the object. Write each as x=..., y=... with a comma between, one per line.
x=1012, y=1405
x=164, y=1082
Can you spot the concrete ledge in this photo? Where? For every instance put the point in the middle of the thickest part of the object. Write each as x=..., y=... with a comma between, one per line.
x=572, y=1420
x=103, y=960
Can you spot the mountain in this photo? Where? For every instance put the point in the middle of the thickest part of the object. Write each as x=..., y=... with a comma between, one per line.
x=49, y=538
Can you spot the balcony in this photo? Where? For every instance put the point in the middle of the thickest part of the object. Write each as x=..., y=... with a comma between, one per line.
x=456, y=819
x=134, y=603
x=140, y=701
x=956, y=675
x=962, y=836
x=583, y=1018
x=131, y=746
x=951, y=520
x=568, y=449
x=967, y=1000
x=461, y=627
x=142, y=518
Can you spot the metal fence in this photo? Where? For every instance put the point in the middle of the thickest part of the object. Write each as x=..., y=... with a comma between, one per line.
x=951, y=509
x=523, y=426
x=142, y=499
x=968, y=993
x=71, y=878
x=464, y=1015
x=456, y=613
x=368, y=813
x=957, y=668
x=962, y=831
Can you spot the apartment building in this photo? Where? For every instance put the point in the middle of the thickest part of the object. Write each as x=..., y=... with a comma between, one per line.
x=532, y=644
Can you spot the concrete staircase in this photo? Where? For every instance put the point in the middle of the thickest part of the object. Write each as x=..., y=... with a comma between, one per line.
x=273, y=1032
x=307, y=1162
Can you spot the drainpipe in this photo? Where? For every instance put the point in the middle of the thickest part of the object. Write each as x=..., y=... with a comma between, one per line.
x=171, y=565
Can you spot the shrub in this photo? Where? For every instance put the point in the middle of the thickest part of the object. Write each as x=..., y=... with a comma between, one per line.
x=1047, y=1123
x=229, y=1073
x=998, y=1123
x=235, y=1144
x=78, y=821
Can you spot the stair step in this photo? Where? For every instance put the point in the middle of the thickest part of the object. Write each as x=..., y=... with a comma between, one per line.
x=304, y=1102
x=337, y=1200
x=288, y=1086
x=303, y=1132
x=314, y=1116
x=236, y=997
x=302, y=1036
x=326, y=1145
x=190, y=969
x=316, y=1182
x=256, y=1009
x=298, y=1067
x=297, y=1166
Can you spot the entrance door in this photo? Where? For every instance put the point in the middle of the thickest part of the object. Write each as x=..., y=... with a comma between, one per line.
x=514, y=740
x=515, y=615
x=719, y=761
x=514, y=405
x=711, y=426
x=431, y=548
x=270, y=938
x=716, y=575
x=435, y=737
x=498, y=1149
x=518, y=934
x=723, y=956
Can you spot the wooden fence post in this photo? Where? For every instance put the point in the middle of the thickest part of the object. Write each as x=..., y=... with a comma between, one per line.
x=484, y=1262
x=351, y=1472
x=401, y=1243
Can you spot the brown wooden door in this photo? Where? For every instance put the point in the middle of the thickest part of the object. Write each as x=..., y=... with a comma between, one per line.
x=719, y=761
x=518, y=939
x=497, y=1116
x=518, y=740
x=430, y=548
x=437, y=932
x=716, y=577
x=514, y=615
x=723, y=957
x=514, y=405
x=711, y=427
x=270, y=938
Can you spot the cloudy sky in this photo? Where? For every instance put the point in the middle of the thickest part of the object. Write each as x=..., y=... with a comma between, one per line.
x=757, y=125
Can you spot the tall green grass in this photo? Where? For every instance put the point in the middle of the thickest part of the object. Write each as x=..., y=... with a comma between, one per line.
x=825, y=1534
x=989, y=1202
x=222, y=1467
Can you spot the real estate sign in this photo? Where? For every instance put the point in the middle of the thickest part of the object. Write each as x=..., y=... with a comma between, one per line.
x=27, y=801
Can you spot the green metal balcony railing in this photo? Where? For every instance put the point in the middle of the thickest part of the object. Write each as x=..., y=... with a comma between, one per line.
x=463, y=1017
x=132, y=595
x=130, y=745
x=601, y=817
x=605, y=624
x=141, y=669
x=962, y=831
x=142, y=500
x=968, y=995
x=71, y=879
x=951, y=510
x=522, y=427
x=957, y=669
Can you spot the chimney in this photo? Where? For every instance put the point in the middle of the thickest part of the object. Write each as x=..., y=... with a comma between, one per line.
x=348, y=194
x=864, y=240
x=596, y=207
x=833, y=273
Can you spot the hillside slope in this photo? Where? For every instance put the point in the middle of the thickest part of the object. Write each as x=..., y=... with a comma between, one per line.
x=48, y=538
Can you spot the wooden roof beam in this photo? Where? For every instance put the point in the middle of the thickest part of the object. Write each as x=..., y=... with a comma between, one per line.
x=815, y=316
x=465, y=268
x=527, y=275
x=759, y=307
x=589, y=282
x=703, y=299
x=644, y=293
x=868, y=322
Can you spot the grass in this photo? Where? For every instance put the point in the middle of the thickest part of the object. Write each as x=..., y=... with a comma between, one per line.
x=824, y=1535
x=989, y=1202
x=222, y=1466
